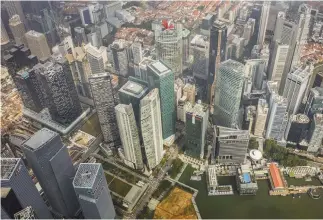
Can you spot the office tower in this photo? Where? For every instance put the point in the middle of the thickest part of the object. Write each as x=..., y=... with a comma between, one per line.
x=278, y=62
x=261, y=117
x=230, y=145
x=137, y=52
x=168, y=43
x=4, y=35
x=111, y=8
x=30, y=90
x=141, y=71
x=228, y=91
x=38, y=44
x=151, y=128
x=314, y=102
x=80, y=36
x=316, y=79
x=248, y=30
x=178, y=90
x=18, y=191
x=297, y=128
x=277, y=116
x=61, y=96
x=131, y=93
x=65, y=47
x=97, y=58
x=182, y=107
x=129, y=136
x=81, y=71
x=295, y=88
x=186, y=46
x=256, y=68
x=162, y=77
x=197, y=119
x=206, y=24
x=15, y=8
x=18, y=30
x=104, y=102
x=51, y=163
x=94, y=38
x=250, y=113
x=86, y=14
x=218, y=41
x=93, y=193
x=189, y=92
x=263, y=22
x=315, y=133
x=120, y=57
x=199, y=49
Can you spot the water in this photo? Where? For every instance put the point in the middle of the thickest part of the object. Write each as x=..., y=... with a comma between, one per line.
x=260, y=206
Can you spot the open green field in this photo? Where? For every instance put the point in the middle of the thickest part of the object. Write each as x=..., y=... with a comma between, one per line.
x=256, y=207
x=92, y=126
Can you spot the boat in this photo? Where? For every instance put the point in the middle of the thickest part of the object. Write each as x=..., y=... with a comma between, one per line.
x=314, y=194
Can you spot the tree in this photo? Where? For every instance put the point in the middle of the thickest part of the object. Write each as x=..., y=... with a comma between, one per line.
x=253, y=144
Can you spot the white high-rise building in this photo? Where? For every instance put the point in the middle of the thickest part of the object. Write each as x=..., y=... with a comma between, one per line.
x=263, y=22
x=151, y=127
x=261, y=117
x=129, y=136
x=37, y=44
x=295, y=87
x=97, y=58
x=278, y=62
x=4, y=35
x=18, y=30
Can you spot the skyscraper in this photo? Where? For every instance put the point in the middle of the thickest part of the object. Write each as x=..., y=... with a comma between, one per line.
x=230, y=145
x=53, y=167
x=97, y=58
x=93, y=193
x=168, y=42
x=18, y=30
x=105, y=102
x=263, y=22
x=314, y=102
x=15, y=8
x=119, y=50
x=257, y=69
x=297, y=128
x=228, y=91
x=197, y=119
x=18, y=190
x=137, y=52
x=162, y=77
x=278, y=62
x=151, y=128
x=38, y=44
x=295, y=88
x=129, y=136
x=80, y=36
x=4, y=35
x=62, y=100
x=131, y=93
x=316, y=133
x=186, y=46
x=261, y=117
x=218, y=41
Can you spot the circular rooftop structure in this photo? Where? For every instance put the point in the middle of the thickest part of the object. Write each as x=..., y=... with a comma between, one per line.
x=255, y=155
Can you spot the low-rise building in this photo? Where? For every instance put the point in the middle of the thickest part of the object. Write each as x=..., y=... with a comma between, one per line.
x=277, y=181
x=246, y=182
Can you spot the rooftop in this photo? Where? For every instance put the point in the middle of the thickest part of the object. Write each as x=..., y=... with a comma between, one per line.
x=86, y=175
x=8, y=166
x=276, y=176
x=159, y=68
x=133, y=89
x=40, y=138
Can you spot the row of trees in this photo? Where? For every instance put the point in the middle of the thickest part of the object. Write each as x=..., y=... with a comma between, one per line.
x=281, y=155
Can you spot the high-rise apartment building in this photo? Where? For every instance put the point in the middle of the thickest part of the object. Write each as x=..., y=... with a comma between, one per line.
x=62, y=100
x=263, y=22
x=4, y=35
x=316, y=133
x=104, y=101
x=129, y=136
x=93, y=193
x=295, y=87
x=18, y=30
x=151, y=128
x=230, y=145
x=161, y=77
x=277, y=116
x=53, y=167
x=197, y=119
x=168, y=43
x=278, y=62
x=131, y=93
x=218, y=42
x=314, y=102
x=120, y=61
x=261, y=117
x=97, y=58
x=18, y=191
x=38, y=44
x=228, y=91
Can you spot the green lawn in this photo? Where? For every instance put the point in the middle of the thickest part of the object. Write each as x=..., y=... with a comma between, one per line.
x=260, y=206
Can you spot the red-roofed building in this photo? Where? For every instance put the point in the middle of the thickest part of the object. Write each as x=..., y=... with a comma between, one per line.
x=277, y=181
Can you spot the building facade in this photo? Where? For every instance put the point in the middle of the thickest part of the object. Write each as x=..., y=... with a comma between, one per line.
x=263, y=22
x=261, y=117
x=316, y=133
x=38, y=44
x=18, y=30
